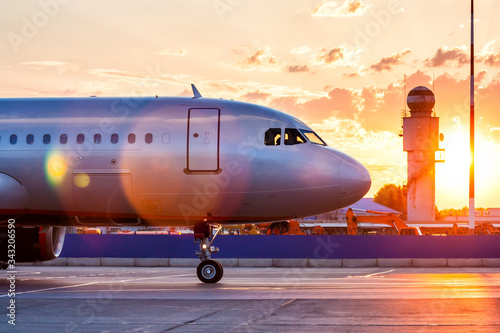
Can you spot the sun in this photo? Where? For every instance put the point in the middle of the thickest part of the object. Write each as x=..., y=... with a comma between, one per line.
x=452, y=176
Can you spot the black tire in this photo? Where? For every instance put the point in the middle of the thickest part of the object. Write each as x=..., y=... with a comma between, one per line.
x=209, y=271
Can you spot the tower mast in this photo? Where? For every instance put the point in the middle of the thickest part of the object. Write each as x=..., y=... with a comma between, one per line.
x=471, y=170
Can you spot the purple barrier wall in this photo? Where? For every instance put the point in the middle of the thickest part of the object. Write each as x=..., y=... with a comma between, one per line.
x=318, y=247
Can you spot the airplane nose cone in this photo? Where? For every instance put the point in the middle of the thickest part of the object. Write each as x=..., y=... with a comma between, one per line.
x=355, y=181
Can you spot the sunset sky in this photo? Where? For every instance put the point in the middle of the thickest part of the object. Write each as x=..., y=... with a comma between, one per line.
x=338, y=65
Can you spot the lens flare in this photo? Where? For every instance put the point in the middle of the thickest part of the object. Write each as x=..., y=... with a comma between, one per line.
x=82, y=180
x=55, y=169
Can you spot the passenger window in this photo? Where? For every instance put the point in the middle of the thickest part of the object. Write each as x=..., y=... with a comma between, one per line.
x=114, y=138
x=63, y=139
x=149, y=138
x=131, y=138
x=272, y=137
x=46, y=139
x=13, y=139
x=30, y=139
x=293, y=137
x=80, y=138
x=97, y=139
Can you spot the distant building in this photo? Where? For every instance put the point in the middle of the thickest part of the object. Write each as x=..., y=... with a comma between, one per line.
x=359, y=208
x=491, y=215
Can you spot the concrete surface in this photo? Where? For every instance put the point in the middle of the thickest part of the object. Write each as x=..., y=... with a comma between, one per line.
x=276, y=262
x=161, y=299
x=491, y=262
x=429, y=262
x=117, y=262
x=290, y=262
x=470, y=262
x=359, y=262
x=255, y=262
x=84, y=261
x=324, y=262
x=151, y=262
x=394, y=262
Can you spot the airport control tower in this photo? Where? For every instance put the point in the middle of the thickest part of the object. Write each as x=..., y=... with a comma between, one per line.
x=421, y=141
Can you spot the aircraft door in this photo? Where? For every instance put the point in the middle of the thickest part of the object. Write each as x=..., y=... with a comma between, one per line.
x=203, y=140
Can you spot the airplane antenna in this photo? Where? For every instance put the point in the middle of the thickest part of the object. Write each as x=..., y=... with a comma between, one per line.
x=196, y=93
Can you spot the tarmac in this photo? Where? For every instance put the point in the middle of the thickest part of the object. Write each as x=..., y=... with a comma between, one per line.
x=260, y=299
x=273, y=262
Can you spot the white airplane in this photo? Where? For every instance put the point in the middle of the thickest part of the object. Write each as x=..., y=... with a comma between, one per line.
x=161, y=161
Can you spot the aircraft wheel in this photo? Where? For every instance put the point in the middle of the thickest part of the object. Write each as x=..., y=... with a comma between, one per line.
x=210, y=271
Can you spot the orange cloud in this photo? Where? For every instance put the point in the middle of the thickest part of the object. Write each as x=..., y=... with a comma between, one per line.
x=346, y=9
x=350, y=75
x=488, y=55
x=388, y=62
x=297, y=69
x=354, y=6
x=330, y=56
x=445, y=55
x=261, y=59
x=337, y=56
x=492, y=59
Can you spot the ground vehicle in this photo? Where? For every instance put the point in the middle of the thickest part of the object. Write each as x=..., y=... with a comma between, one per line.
x=389, y=219
x=285, y=228
x=486, y=228
x=85, y=230
x=292, y=227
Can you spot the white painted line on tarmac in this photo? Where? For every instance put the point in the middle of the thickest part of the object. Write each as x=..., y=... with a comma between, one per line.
x=373, y=274
x=21, y=273
x=54, y=288
x=370, y=275
x=97, y=282
x=286, y=303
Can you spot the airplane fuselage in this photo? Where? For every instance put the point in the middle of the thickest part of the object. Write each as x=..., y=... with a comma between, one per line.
x=166, y=161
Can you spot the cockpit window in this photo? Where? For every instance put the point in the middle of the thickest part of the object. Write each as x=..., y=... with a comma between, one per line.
x=313, y=137
x=293, y=137
x=272, y=137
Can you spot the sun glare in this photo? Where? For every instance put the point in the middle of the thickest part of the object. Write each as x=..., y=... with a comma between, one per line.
x=452, y=176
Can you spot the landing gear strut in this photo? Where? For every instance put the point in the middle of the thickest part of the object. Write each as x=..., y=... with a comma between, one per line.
x=209, y=271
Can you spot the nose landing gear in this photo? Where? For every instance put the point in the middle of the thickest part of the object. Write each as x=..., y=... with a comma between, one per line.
x=208, y=271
